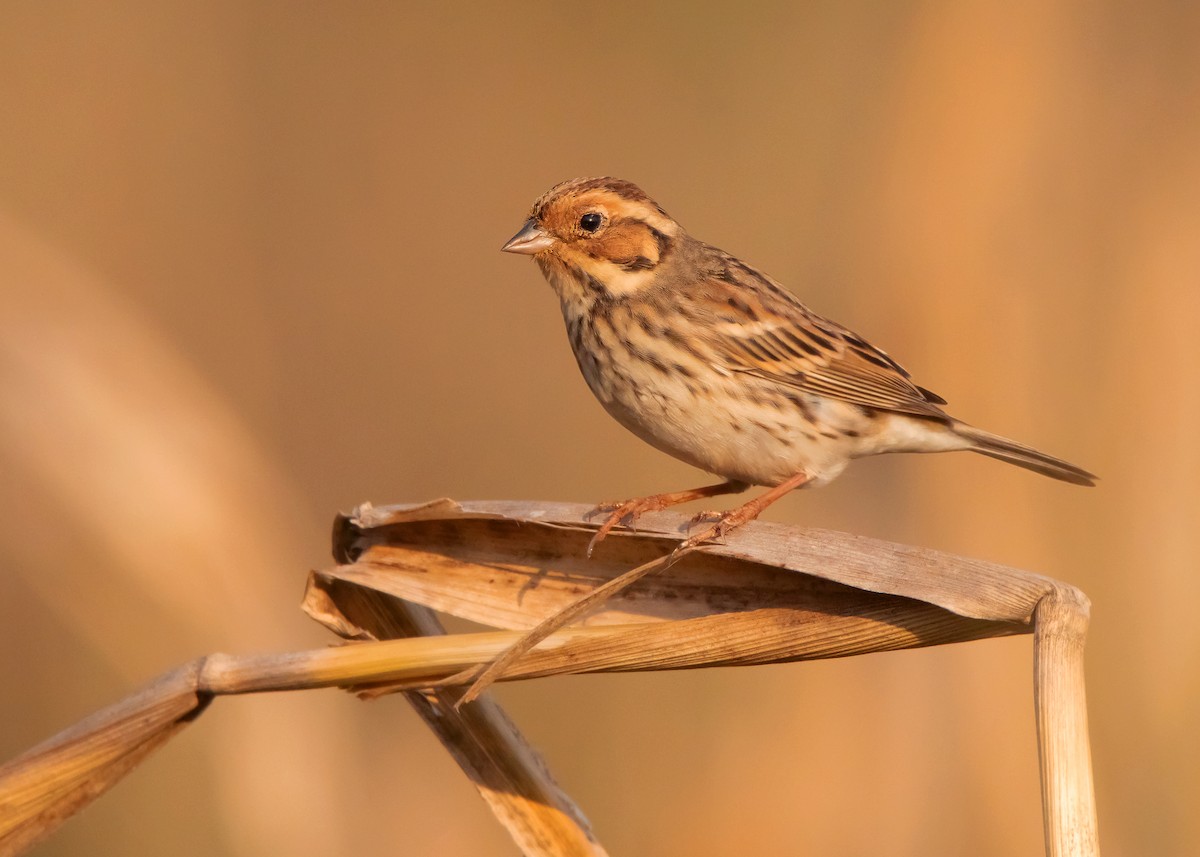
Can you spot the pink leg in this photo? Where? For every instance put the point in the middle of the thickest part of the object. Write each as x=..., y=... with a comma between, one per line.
x=734, y=518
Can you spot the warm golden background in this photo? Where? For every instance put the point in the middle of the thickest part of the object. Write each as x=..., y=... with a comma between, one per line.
x=250, y=278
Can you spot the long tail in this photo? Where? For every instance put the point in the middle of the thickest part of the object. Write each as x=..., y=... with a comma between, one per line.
x=995, y=446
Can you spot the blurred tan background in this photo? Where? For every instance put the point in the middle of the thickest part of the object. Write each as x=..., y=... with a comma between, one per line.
x=249, y=276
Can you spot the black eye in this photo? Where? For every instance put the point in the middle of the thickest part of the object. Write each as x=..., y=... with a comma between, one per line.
x=590, y=222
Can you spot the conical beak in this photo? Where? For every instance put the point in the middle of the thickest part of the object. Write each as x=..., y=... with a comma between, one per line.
x=530, y=240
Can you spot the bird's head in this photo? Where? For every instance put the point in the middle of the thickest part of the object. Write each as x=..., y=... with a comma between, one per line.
x=599, y=233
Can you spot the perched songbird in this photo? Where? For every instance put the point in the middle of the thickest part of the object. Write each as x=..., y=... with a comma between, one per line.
x=712, y=361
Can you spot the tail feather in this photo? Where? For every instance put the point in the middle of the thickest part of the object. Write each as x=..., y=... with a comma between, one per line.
x=995, y=446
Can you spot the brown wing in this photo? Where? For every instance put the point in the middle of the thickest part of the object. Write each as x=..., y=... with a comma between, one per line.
x=763, y=330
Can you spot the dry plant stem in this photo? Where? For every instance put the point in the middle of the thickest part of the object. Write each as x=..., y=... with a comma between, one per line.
x=41, y=788
x=508, y=773
x=62, y=775
x=770, y=594
x=1068, y=799
x=762, y=636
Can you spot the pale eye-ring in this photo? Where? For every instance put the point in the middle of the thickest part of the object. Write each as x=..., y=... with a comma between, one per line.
x=590, y=222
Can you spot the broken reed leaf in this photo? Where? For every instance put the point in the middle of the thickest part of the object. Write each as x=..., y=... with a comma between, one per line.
x=510, y=565
x=532, y=571
x=741, y=638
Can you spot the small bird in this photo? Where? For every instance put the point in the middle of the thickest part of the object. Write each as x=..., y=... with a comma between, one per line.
x=712, y=361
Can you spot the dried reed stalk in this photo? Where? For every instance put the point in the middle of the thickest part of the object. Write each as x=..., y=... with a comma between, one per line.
x=770, y=594
x=509, y=774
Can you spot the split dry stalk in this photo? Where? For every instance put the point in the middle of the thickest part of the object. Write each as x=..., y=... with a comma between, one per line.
x=770, y=594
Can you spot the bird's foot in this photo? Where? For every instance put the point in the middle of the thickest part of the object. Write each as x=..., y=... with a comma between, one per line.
x=722, y=524
x=624, y=512
x=701, y=517
x=727, y=522
x=628, y=511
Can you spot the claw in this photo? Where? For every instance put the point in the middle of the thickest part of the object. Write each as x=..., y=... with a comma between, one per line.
x=595, y=541
x=628, y=511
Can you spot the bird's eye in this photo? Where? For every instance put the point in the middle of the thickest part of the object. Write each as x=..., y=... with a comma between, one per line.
x=590, y=222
